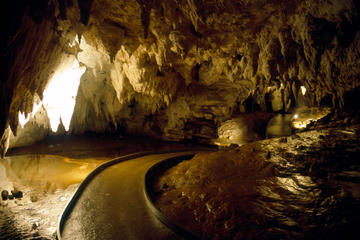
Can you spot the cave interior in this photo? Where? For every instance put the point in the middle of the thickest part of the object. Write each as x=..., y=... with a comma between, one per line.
x=186, y=71
x=173, y=70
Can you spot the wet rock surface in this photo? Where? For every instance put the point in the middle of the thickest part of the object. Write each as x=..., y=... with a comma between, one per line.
x=305, y=186
x=243, y=128
x=178, y=69
x=49, y=172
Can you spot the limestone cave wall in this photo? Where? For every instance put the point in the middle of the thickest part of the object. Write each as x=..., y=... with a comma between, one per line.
x=176, y=69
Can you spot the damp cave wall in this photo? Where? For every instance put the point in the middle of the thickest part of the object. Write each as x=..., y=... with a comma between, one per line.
x=176, y=69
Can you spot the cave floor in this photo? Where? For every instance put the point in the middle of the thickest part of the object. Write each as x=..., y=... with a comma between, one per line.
x=113, y=205
x=49, y=172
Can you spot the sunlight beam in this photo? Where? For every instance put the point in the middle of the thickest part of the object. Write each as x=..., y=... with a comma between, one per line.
x=60, y=95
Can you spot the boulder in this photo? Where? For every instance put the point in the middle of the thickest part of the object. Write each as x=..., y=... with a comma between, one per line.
x=4, y=195
x=17, y=194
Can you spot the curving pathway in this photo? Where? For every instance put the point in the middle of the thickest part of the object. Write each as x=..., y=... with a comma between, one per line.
x=110, y=203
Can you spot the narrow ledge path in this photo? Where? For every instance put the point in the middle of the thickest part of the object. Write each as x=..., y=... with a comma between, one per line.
x=111, y=204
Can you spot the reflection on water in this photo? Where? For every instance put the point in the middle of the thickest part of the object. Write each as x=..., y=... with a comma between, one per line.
x=279, y=125
x=246, y=128
x=48, y=183
x=282, y=124
x=304, y=116
x=47, y=172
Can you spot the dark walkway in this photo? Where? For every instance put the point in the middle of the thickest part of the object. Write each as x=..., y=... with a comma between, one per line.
x=113, y=205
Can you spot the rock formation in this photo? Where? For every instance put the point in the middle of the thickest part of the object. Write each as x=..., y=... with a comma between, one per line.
x=177, y=69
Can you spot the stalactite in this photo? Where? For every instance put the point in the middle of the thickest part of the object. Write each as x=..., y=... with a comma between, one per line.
x=182, y=60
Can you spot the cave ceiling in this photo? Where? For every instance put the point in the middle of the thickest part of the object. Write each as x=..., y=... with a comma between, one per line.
x=155, y=67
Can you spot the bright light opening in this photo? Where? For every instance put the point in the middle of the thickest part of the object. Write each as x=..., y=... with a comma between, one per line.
x=23, y=120
x=76, y=40
x=60, y=95
x=303, y=90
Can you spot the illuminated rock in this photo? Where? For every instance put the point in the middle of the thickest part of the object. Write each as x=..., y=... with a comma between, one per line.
x=4, y=142
x=155, y=67
x=36, y=129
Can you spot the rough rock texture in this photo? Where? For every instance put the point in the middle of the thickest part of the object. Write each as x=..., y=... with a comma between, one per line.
x=31, y=50
x=177, y=69
x=243, y=128
x=301, y=187
x=35, y=130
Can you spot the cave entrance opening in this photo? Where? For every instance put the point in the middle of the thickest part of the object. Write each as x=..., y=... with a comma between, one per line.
x=59, y=96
